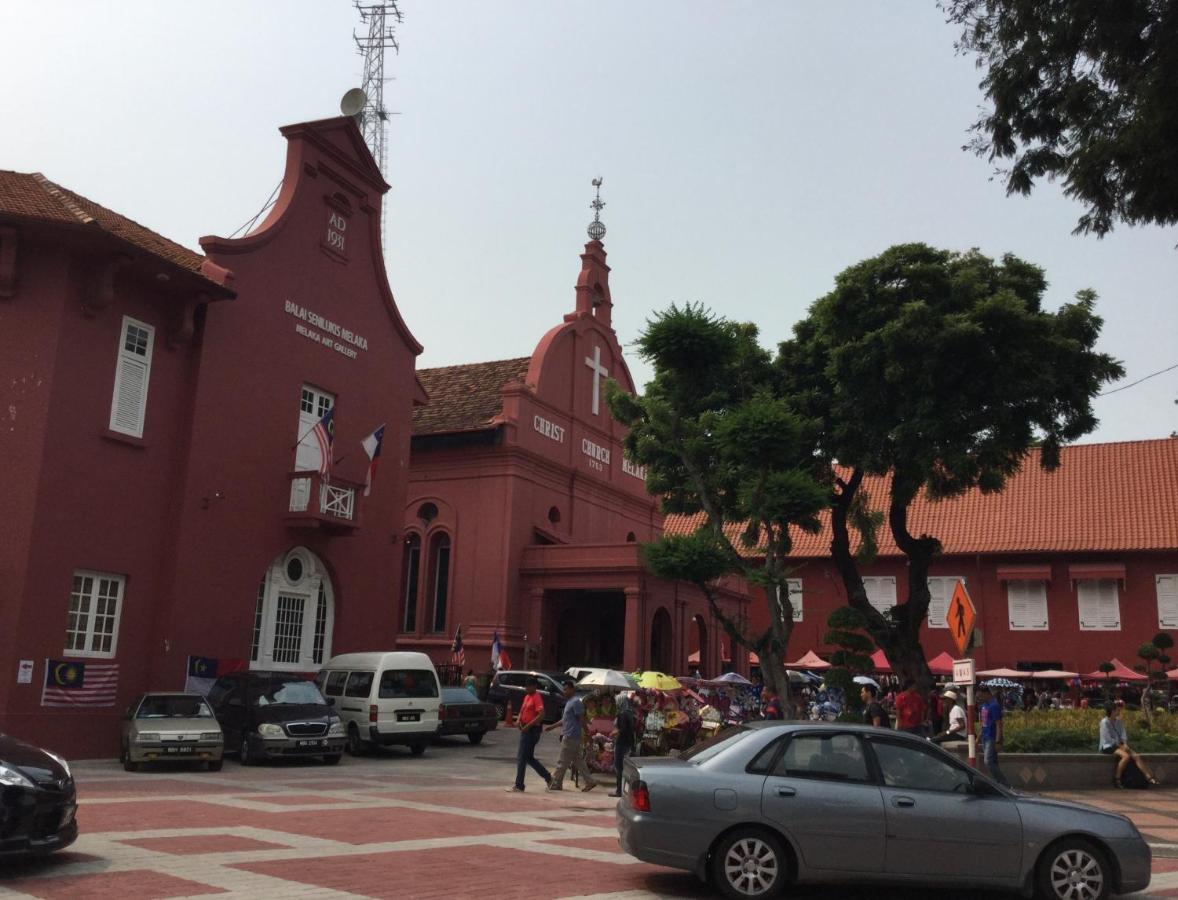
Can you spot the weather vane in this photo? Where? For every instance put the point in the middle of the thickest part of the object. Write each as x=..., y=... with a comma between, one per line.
x=596, y=227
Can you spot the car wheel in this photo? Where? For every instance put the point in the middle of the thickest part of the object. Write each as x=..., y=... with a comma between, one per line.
x=356, y=746
x=1073, y=869
x=476, y=737
x=247, y=758
x=748, y=863
x=417, y=749
x=215, y=765
x=125, y=758
x=332, y=758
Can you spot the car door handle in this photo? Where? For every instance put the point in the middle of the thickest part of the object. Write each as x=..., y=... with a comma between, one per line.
x=903, y=801
x=786, y=792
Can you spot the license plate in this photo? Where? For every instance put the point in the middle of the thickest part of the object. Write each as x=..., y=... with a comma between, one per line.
x=408, y=717
x=311, y=744
x=179, y=749
x=473, y=726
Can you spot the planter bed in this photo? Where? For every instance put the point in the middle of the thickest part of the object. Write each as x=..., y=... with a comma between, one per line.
x=1070, y=771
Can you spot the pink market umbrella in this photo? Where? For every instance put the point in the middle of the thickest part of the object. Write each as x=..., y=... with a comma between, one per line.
x=810, y=661
x=1120, y=672
x=942, y=664
x=1054, y=675
x=880, y=662
x=1003, y=673
x=1172, y=674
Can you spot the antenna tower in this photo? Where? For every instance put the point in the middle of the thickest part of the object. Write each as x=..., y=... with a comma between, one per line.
x=382, y=20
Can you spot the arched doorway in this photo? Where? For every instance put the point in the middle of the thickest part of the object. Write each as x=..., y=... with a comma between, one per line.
x=697, y=658
x=660, y=642
x=294, y=614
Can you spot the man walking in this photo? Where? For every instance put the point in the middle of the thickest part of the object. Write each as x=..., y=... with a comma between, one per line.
x=873, y=712
x=572, y=727
x=531, y=729
x=623, y=735
x=910, y=710
x=772, y=709
x=990, y=711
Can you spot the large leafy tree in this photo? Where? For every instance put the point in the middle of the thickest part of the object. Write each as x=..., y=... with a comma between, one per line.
x=1082, y=91
x=941, y=371
x=717, y=441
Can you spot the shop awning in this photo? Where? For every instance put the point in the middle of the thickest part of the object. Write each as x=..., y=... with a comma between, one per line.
x=810, y=661
x=1097, y=570
x=880, y=662
x=1037, y=572
x=1120, y=672
x=941, y=664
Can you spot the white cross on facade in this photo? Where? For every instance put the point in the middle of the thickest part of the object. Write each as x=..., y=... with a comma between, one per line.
x=599, y=372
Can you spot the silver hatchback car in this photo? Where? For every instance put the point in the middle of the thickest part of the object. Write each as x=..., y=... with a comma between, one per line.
x=765, y=805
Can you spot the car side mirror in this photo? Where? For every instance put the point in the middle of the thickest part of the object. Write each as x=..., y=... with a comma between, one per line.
x=983, y=788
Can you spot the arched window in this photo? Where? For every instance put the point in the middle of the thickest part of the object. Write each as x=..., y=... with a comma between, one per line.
x=439, y=572
x=410, y=577
x=294, y=614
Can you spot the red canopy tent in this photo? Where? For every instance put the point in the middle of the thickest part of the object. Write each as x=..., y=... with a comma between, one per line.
x=1120, y=672
x=941, y=664
x=810, y=661
x=880, y=662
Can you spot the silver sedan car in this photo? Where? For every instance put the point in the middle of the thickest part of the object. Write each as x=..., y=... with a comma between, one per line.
x=765, y=805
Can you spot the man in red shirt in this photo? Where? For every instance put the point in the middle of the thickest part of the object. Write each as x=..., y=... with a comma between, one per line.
x=531, y=728
x=910, y=709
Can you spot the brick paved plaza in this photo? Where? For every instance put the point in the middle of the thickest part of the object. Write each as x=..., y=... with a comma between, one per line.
x=440, y=826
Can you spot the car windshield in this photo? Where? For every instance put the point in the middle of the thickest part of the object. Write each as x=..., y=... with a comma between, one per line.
x=295, y=692
x=174, y=708
x=395, y=683
x=701, y=753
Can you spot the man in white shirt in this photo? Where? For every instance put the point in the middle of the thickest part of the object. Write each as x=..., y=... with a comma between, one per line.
x=956, y=730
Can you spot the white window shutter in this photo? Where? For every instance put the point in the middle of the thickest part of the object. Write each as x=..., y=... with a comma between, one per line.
x=1027, y=605
x=1099, y=605
x=1167, y=586
x=132, y=375
x=1110, y=605
x=795, y=597
x=940, y=591
x=881, y=592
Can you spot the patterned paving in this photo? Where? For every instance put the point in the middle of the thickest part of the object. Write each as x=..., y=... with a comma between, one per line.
x=399, y=827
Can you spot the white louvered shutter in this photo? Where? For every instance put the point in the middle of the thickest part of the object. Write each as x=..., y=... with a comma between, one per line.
x=1027, y=605
x=1099, y=605
x=1167, y=601
x=881, y=592
x=940, y=591
x=128, y=407
x=795, y=597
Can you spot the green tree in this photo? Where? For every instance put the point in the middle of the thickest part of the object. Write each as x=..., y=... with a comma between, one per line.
x=1107, y=668
x=940, y=371
x=845, y=627
x=715, y=440
x=1083, y=92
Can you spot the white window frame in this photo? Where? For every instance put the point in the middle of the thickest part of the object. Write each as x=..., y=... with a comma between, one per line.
x=89, y=633
x=794, y=585
x=1088, y=591
x=881, y=591
x=124, y=360
x=946, y=585
x=314, y=580
x=1167, y=593
x=1025, y=584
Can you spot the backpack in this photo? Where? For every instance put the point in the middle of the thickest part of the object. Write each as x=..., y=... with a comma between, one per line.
x=1133, y=779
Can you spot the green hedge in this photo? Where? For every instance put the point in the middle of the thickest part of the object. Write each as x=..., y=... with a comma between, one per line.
x=1078, y=731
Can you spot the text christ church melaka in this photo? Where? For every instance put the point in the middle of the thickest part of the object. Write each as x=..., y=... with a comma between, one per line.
x=524, y=516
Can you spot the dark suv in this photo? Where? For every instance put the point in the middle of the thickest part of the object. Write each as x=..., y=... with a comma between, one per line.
x=509, y=687
x=272, y=714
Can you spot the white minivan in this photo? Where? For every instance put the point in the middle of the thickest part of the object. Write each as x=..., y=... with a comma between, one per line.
x=383, y=699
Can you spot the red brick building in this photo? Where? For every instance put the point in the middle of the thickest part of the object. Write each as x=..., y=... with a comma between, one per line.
x=162, y=492
x=1066, y=569
x=524, y=518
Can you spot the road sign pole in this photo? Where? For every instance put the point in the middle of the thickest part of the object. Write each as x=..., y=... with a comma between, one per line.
x=969, y=718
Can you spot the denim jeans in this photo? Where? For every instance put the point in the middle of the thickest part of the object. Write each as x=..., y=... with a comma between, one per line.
x=620, y=752
x=528, y=740
x=990, y=759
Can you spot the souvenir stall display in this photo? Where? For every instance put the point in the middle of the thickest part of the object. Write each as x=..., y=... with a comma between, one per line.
x=601, y=710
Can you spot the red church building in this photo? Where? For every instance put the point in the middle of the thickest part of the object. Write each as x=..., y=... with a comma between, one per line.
x=523, y=518
x=163, y=489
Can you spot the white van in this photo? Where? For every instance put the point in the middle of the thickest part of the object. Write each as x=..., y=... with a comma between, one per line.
x=383, y=699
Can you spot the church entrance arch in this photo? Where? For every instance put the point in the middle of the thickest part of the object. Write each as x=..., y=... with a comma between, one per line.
x=294, y=614
x=660, y=642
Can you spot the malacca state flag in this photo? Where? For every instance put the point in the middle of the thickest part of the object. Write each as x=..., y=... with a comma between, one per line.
x=371, y=445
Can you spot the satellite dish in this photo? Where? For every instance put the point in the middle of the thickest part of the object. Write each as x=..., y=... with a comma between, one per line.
x=353, y=102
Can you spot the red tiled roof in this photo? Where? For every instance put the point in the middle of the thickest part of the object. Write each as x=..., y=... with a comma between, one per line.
x=30, y=195
x=1104, y=497
x=465, y=398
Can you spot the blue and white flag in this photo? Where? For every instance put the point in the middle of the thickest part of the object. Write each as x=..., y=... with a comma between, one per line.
x=496, y=651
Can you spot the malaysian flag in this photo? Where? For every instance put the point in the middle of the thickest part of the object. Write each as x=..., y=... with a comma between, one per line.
x=74, y=684
x=324, y=432
x=457, y=651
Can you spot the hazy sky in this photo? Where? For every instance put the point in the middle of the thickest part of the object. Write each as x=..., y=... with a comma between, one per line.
x=750, y=152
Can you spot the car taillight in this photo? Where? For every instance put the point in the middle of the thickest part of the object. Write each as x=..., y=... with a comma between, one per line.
x=372, y=712
x=442, y=712
x=639, y=796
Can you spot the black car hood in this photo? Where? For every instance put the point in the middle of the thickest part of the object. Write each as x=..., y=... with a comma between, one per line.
x=34, y=762
x=290, y=712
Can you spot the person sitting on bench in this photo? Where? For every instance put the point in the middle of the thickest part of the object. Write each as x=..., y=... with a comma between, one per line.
x=1115, y=741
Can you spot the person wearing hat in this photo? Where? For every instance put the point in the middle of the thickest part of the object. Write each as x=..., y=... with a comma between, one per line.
x=957, y=730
